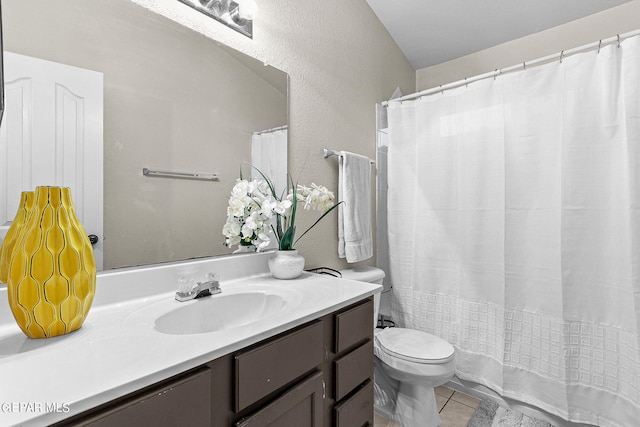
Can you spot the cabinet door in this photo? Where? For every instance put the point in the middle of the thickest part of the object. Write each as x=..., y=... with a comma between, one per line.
x=301, y=406
x=183, y=402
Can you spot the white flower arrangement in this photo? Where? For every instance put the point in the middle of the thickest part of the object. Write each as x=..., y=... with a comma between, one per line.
x=315, y=197
x=249, y=215
x=255, y=211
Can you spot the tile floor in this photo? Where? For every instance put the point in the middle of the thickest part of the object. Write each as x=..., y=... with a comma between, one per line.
x=455, y=409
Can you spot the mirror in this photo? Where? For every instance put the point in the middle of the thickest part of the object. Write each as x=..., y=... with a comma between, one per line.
x=1, y=75
x=173, y=100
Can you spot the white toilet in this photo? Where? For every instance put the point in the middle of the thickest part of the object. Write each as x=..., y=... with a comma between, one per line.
x=409, y=364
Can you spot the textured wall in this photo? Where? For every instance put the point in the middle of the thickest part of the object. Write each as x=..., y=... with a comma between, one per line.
x=340, y=61
x=617, y=20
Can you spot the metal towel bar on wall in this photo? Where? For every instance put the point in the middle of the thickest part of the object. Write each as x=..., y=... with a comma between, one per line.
x=329, y=153
x=180, y=175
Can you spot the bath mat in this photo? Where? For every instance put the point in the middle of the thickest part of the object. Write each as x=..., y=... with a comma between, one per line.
x=490, y=414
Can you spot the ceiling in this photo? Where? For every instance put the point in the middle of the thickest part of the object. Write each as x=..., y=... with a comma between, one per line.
x=430, y=32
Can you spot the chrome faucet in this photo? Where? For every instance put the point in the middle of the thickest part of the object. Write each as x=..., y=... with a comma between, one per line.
x=188, y=291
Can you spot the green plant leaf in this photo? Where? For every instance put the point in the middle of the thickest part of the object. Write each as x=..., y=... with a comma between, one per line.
x=294, y=202
x=286, y=243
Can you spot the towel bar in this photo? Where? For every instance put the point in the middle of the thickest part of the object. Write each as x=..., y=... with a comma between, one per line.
x=182, y=175
x=329, y=153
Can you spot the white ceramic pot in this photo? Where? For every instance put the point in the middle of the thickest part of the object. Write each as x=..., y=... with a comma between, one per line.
x=286, y=264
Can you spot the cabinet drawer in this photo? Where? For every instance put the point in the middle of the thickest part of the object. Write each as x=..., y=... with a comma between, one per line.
x=354, y=325
x=356, y=410
x=300, y=407
x=353, y=369
x=266, y=368
x=185, y=401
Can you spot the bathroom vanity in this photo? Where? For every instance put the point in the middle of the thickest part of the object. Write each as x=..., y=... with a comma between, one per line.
x=305, y=359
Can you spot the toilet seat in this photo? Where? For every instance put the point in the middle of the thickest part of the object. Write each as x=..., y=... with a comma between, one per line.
x=414, y=346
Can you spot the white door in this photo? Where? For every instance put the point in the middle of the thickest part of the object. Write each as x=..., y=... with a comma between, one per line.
x=51, y=134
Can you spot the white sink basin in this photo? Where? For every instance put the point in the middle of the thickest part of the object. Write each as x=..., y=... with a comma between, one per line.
x=235, y=307
x=220, y=312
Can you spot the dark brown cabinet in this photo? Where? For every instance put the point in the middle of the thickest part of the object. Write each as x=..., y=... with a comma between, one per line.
x=357, y=410
x=353, y=369
x=301, y=407
x=317, y=374
x=270, y=366
x=353, y=366
x=184, y=400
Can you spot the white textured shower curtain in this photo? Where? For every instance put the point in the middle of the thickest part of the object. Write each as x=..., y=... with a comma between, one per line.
x=269, y=155
x=514, y=231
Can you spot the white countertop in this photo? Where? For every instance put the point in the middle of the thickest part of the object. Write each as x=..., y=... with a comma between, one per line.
x=118, y=350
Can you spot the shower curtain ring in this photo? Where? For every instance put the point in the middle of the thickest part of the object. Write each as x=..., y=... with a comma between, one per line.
x=618, y=40
x=599, y=45
x=561, y=56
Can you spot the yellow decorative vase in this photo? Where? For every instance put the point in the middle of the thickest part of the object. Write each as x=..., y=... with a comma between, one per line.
x=26, y=203
x=52, y=272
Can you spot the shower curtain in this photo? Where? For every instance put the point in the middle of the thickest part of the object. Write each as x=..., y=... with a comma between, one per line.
x=514, y=231
x=269, y=155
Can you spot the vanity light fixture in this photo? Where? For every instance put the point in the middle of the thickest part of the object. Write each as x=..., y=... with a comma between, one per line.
x=247, y=9
x=236, y=14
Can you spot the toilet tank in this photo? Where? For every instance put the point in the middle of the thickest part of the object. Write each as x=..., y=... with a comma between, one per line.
x=364, y=274
x=370, y=275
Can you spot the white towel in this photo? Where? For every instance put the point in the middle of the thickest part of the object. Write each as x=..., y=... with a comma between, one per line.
x=355, y=241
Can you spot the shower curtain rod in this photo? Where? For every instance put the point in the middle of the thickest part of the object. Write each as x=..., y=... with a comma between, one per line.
x=271, y=130
x=540, y=61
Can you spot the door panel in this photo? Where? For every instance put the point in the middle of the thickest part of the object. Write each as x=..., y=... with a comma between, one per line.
x=52, y=134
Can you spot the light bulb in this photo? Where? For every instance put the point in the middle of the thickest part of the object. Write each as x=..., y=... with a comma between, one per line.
x=247, y=9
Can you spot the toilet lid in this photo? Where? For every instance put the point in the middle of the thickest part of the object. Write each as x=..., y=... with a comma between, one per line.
x=414, y=346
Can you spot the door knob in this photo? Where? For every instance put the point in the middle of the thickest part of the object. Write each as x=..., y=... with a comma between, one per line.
x=93, y=239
